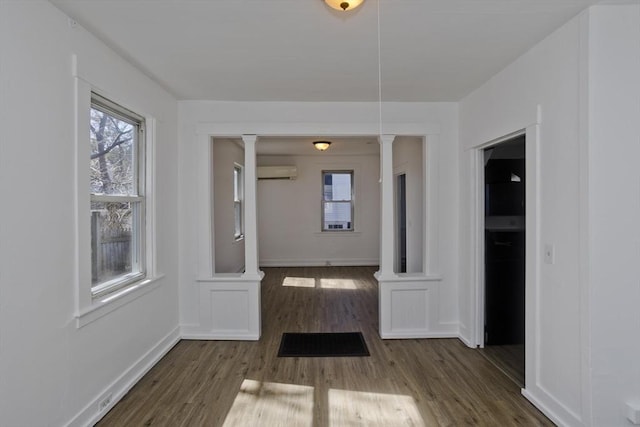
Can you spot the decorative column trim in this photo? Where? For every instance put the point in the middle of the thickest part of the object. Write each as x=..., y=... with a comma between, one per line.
x=250, y=209
x=387, y=229
x=205, y=212
x=430, y=207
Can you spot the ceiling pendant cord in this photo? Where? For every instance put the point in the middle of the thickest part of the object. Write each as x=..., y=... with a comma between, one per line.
x=379, y=86
x=379, y=76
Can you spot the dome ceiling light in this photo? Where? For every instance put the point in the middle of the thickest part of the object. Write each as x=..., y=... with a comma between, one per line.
x=321, y=145
x=344, y=5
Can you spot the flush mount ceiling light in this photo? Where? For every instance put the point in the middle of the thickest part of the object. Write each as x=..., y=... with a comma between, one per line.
x=344, y=4
x=321, y=145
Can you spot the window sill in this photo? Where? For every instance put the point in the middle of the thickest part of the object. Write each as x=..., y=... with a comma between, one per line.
x=338, y=233
x=105, y=304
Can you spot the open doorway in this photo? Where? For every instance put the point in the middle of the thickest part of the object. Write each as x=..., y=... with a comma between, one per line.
x=504, y=263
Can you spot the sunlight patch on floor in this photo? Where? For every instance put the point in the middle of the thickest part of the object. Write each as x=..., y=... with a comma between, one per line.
x=299, y=282
x=271, y=404
x=310, y=282
x=356, y=408
x=338, y=284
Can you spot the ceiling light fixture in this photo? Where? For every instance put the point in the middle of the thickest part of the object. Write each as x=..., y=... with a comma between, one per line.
x=344, y=5
x=321, y=145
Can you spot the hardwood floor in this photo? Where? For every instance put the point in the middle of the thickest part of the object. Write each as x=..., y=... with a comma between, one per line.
x=431, y=382
x=508, y=358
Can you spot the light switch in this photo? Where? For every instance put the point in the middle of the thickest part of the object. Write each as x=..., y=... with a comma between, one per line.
x=633, y=412
x=549, y=254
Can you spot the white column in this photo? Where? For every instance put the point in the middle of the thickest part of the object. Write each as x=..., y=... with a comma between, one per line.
x=387, y=230
x=430, y=261
x=250, y=209
x=206, y=254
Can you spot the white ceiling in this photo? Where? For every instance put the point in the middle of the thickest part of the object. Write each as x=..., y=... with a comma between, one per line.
x=301, y=50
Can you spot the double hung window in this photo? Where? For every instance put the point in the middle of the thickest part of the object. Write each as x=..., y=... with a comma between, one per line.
x=337, y=201
x=116, y=137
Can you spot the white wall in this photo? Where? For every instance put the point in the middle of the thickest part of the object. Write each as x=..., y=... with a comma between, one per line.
x=229, y=252
x=584, y=78
x=289, y=214
x=614, y=210
x=51, y=372
x=549, y=76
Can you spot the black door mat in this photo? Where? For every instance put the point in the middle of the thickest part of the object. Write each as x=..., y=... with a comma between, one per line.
x=323, y=344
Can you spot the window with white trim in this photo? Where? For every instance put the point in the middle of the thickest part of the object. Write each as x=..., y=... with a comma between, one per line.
x=337, y=201
x=237, y=202
x=116, y=137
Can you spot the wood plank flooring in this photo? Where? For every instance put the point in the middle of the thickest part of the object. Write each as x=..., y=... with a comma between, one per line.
x=432, y=382
x=508, y=358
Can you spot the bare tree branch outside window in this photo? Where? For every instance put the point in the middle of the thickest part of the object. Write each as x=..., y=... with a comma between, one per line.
x=114, y=189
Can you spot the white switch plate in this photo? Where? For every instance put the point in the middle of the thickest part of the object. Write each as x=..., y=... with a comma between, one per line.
x=549, y=254
x=633, y=413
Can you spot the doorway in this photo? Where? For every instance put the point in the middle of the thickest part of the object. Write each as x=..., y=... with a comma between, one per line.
x=504, y=261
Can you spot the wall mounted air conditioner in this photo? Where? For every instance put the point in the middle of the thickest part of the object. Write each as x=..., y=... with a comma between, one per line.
x=277, y=172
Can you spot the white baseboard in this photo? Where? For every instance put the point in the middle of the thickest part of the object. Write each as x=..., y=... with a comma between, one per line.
x=192, y=334
x=552, y=409
x=464, y=335
x=92, y=413
x=466, y=341
x=338, y=262
x=417, y=335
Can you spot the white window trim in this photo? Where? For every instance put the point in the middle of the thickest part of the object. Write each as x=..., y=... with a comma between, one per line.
x=89, y=307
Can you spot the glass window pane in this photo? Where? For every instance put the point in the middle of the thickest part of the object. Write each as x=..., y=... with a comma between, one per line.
x=112, y=251
x=238, y=219
x=113, y=157
x=337, y=186
x=235, y=185
x=337, y=216
x=237, y=197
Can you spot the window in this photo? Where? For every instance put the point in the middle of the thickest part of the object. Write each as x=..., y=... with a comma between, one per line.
x=116, y=136
x=237, y=202
x=337, y=201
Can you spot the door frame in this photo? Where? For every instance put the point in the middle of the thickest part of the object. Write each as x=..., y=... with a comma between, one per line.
x=532, y=242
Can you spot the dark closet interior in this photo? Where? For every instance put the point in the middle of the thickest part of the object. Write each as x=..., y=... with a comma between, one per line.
x=505, y=255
